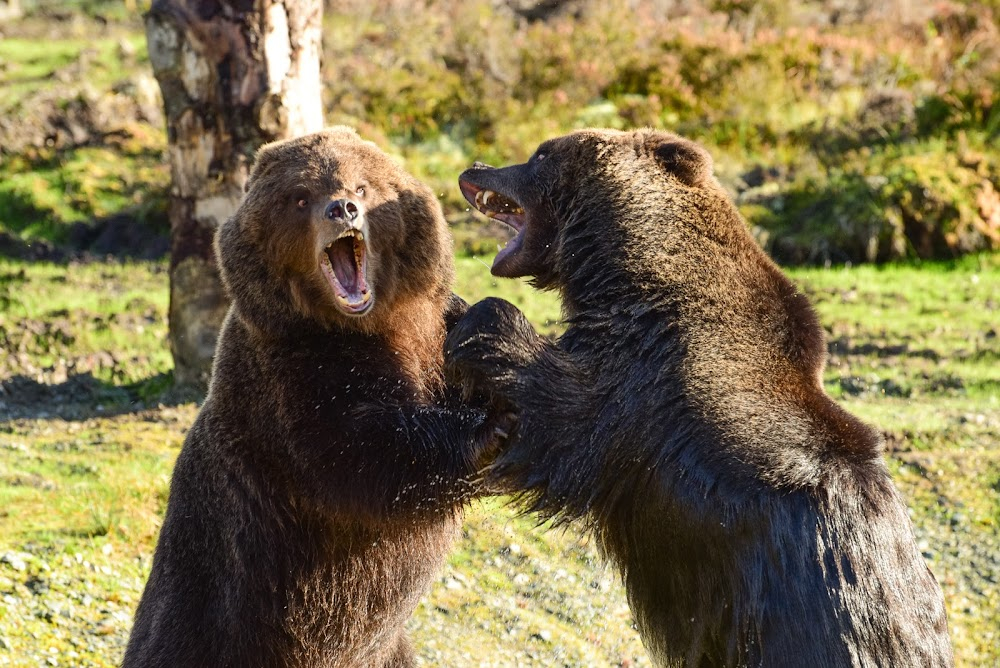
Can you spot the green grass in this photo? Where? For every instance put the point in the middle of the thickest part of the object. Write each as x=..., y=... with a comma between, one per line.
x=81, y=505
x=107, y=319
x=81, y=499
x=44, y=193
x=929, y=328
x=33, y=65
x=474, y=282
x=81, y=150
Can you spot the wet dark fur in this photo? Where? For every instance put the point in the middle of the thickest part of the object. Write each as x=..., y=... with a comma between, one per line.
x=319, y=489
x=682, y=417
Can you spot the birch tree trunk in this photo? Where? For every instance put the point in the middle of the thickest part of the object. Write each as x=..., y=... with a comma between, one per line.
x=234, y=74
x=10, y=10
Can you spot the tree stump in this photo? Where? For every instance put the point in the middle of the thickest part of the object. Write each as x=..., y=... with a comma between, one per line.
x=234, y=74
x=10, y=10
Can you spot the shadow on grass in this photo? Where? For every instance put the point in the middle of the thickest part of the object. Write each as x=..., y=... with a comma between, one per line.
x=82, y=396
x=122, y=236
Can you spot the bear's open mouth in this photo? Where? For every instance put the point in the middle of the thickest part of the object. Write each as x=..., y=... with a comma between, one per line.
x=345, y=265
x=501, y=207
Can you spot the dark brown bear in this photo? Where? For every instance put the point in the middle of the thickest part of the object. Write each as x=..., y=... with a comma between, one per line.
x=682, y=416
x=319, y=489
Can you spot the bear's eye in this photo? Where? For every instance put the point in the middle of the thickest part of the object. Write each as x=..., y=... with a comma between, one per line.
x=302, y=203
x=540, y=157
x=360, y=191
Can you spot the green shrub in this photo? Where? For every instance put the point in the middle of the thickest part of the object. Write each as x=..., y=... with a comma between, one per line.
x=933, y=199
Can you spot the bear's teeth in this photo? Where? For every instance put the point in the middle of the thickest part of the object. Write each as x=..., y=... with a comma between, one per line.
x=483, y=198
x=357, y=234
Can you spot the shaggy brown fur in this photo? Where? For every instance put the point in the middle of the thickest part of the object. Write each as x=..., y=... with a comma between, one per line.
x=682, y=416
x=320, y=486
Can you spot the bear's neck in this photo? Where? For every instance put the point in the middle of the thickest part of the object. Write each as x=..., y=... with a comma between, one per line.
x=413, y=330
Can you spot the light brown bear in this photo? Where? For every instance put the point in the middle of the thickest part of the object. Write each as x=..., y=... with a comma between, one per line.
x=320, y=487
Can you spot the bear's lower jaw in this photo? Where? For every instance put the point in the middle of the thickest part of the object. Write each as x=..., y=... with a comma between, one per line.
x=502, y=263
x=344, y=263
x=355, y=308
x=505, y=209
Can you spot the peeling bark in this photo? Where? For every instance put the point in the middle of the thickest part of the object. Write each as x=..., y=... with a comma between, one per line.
x=10, y=10
x=234, y=74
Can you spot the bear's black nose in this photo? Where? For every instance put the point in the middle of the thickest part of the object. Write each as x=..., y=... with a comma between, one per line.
x=342, y=209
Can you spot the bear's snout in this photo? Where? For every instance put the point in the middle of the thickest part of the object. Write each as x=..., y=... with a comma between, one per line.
x=343, y=210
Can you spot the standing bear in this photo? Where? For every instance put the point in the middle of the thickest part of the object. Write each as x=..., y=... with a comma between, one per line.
x=320, y=486
x=682, y=416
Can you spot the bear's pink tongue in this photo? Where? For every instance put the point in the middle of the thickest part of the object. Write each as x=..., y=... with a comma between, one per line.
x=344, y=259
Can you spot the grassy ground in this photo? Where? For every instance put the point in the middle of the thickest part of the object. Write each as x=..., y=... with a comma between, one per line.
x=86, y=453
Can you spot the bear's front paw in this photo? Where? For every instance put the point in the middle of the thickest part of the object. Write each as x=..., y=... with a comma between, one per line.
x=454, y=311
x=497, y=433
x=493, y=438
x=487, y=348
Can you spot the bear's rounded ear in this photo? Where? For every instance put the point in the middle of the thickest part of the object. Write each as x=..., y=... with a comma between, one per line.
x=254, y=175
x=260, y=161
x=686, y=160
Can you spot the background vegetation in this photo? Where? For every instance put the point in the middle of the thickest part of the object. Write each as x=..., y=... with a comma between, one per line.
x=848, y=131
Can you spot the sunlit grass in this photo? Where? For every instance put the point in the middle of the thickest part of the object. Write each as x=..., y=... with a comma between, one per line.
x=115, y=312
x=31, y=65
x=474, y=282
